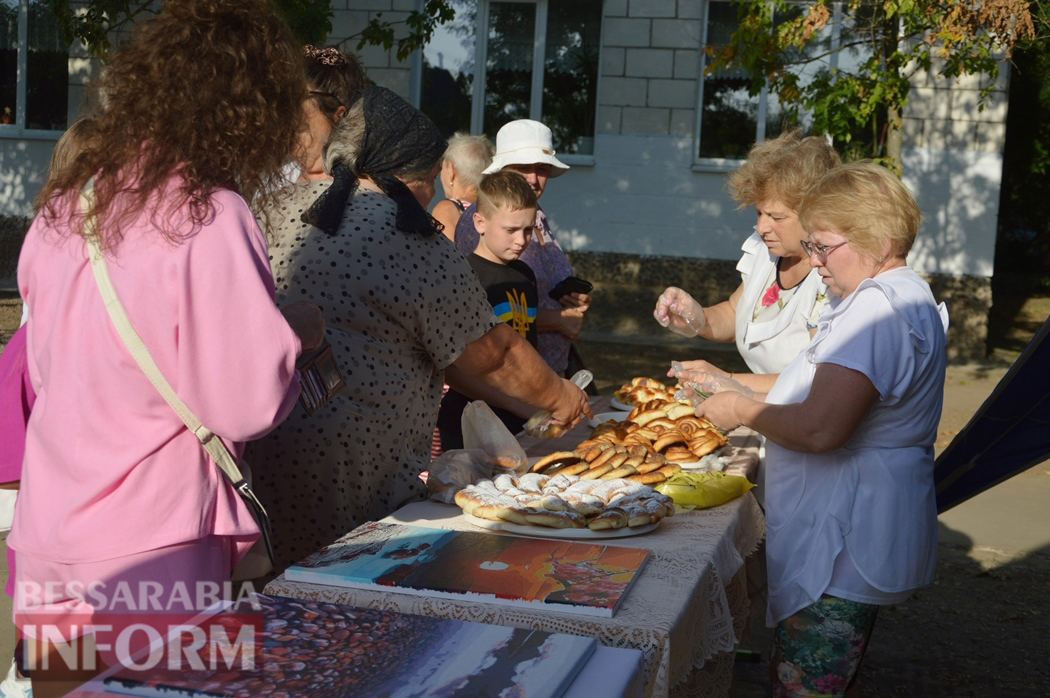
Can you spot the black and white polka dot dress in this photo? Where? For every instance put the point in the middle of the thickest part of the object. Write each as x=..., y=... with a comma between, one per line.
x=398, y=309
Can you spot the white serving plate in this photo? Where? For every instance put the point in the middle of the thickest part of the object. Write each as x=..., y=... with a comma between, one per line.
x=560, y=533
x=617, y=405
x=604, y=417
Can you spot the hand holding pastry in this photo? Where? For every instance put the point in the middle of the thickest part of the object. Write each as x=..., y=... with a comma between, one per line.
x=572, y=405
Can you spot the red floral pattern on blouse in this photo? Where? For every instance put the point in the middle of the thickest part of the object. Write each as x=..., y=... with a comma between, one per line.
x=771, y=296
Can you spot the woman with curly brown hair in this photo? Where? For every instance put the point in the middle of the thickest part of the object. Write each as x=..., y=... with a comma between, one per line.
x=116, y=492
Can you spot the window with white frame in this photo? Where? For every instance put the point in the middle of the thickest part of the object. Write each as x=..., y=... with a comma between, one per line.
x=497, y=61
x=34, y=69
x=729, y=120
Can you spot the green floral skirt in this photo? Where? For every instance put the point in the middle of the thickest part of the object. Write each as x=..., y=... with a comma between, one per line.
x=817, y=651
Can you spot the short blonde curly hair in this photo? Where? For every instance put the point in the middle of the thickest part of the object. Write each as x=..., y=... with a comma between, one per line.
x=781, y=169
x=866, y=204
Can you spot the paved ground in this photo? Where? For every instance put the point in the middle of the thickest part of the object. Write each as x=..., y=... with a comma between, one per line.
x=980, y=630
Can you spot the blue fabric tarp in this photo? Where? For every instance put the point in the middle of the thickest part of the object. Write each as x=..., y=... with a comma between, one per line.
x=1008, y=434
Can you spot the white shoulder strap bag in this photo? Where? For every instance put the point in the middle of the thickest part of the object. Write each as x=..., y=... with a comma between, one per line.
x=259, y=560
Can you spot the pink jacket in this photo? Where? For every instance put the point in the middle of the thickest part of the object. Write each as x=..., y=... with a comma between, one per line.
x=110, y=469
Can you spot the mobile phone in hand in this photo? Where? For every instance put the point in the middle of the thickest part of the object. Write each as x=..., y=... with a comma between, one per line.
x=570, y=284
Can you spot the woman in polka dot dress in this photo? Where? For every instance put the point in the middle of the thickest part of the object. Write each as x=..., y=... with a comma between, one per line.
x=403, y=310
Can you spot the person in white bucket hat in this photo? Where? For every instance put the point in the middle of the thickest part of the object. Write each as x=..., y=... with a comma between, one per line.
x=527, y=147
x=526, y=142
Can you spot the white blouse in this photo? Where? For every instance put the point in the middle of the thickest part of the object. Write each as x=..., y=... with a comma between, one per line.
x=873, y=499
x=768, y=345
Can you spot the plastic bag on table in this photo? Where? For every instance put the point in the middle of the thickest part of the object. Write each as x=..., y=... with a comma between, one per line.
x=453, y=470
x=691, y=490
x=489, y=447
x=482, y=429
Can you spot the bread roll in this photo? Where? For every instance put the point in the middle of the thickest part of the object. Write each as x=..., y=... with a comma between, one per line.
x=597, y=472
x=550, y=458
x=679, y=410
x=621, y=472
x=651, y=478
x=569, y=468
x=669, y=469
x=669, y=439
x=556, y=519
x=610, y=518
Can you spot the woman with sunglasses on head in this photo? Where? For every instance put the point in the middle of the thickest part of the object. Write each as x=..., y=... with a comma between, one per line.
x=773, y=312
x=850, y=426
x=332, y=79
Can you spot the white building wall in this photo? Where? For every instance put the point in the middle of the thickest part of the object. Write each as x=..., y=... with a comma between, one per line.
x=642, y=195
x=23, y=170
x=24, y=158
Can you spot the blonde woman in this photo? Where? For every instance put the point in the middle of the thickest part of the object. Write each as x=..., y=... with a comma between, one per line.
x=850, y=425
x=772, y=314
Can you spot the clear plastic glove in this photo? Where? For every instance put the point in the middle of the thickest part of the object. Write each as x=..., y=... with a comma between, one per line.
x=722, y=410
x=704, y=386
x=694, y=370
x=679, y=312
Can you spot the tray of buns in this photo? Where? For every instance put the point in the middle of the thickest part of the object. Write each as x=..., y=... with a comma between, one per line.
x=564, y=502
x=648, y=445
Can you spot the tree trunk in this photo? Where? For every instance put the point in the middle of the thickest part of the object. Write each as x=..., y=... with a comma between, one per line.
x=894, y=139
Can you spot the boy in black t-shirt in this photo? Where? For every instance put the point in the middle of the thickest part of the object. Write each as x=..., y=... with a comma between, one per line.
x=505, y=219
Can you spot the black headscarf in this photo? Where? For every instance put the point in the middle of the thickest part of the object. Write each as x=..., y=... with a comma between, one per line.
x=397, y=139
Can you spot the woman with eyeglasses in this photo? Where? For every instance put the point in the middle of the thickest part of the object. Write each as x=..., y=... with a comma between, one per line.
x=332, y=79
x=850, y=426
x=772, y=314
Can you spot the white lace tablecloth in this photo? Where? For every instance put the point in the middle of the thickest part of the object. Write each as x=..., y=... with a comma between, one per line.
x=685, y=613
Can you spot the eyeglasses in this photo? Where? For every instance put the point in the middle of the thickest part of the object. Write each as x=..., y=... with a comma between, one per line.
x=822, y=251
x=319, y=93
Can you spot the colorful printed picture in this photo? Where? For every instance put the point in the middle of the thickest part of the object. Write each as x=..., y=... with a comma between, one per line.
x=325, y=650
x=578, y=577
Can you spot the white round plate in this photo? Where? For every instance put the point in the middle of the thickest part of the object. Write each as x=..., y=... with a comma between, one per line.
x=562, y=533
x=604, y=417
x=617, y=405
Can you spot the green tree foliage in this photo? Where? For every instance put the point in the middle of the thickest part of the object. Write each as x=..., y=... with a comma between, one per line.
x=98, y=23
x=880, y=46
x=418, y=28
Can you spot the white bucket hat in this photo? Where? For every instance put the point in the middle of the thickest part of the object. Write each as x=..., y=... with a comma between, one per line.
x=525, y=142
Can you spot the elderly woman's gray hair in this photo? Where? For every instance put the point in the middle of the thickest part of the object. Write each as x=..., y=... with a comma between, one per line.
x=470, y=155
